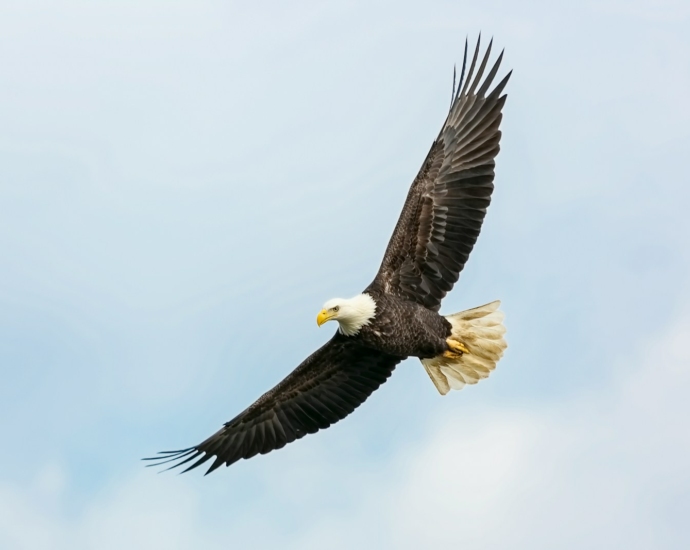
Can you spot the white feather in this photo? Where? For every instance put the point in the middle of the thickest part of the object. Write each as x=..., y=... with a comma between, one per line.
x=481, y=330
x=352, y=313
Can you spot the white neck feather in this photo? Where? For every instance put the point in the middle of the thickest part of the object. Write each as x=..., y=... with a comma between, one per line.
x=354, y=313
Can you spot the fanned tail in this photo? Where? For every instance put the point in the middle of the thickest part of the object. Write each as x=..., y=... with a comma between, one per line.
x=481, y=331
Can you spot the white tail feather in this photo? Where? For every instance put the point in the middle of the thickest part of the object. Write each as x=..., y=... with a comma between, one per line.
x=481, y=330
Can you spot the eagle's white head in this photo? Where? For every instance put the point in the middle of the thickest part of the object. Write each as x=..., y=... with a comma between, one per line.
x=351, y=313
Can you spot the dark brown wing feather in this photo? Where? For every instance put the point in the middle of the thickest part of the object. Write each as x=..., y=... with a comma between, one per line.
x=325, y=388
x=447, y=202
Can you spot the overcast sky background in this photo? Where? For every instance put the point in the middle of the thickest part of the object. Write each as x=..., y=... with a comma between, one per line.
x=183, y=184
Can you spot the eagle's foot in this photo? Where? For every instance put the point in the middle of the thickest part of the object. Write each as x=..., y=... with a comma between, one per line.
x=456, y=349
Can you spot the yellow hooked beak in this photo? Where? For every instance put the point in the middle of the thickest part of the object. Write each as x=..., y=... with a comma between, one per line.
x=324, y=316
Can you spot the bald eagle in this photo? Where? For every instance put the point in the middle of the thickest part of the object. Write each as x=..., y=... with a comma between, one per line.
x=396, y=316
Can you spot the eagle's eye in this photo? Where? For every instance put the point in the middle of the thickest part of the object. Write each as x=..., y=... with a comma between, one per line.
x=336, y=308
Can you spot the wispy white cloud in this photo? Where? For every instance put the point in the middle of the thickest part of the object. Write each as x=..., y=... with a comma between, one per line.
x=605, y=468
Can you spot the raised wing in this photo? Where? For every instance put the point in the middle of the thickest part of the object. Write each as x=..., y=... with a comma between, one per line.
x=447, y=202
x=325, y=388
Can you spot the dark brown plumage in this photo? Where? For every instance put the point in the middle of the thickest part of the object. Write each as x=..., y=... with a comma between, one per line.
x=447, y=202
x=330, y=384
x=436, y=231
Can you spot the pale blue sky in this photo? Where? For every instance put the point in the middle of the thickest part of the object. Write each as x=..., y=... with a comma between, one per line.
x=183, y=184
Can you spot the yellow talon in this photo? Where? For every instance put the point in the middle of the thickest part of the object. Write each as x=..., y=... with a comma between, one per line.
x=456, y=349
x=462, y=347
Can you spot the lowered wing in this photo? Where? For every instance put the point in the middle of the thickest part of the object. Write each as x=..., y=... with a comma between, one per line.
x=325, y=388
x=447, y=202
